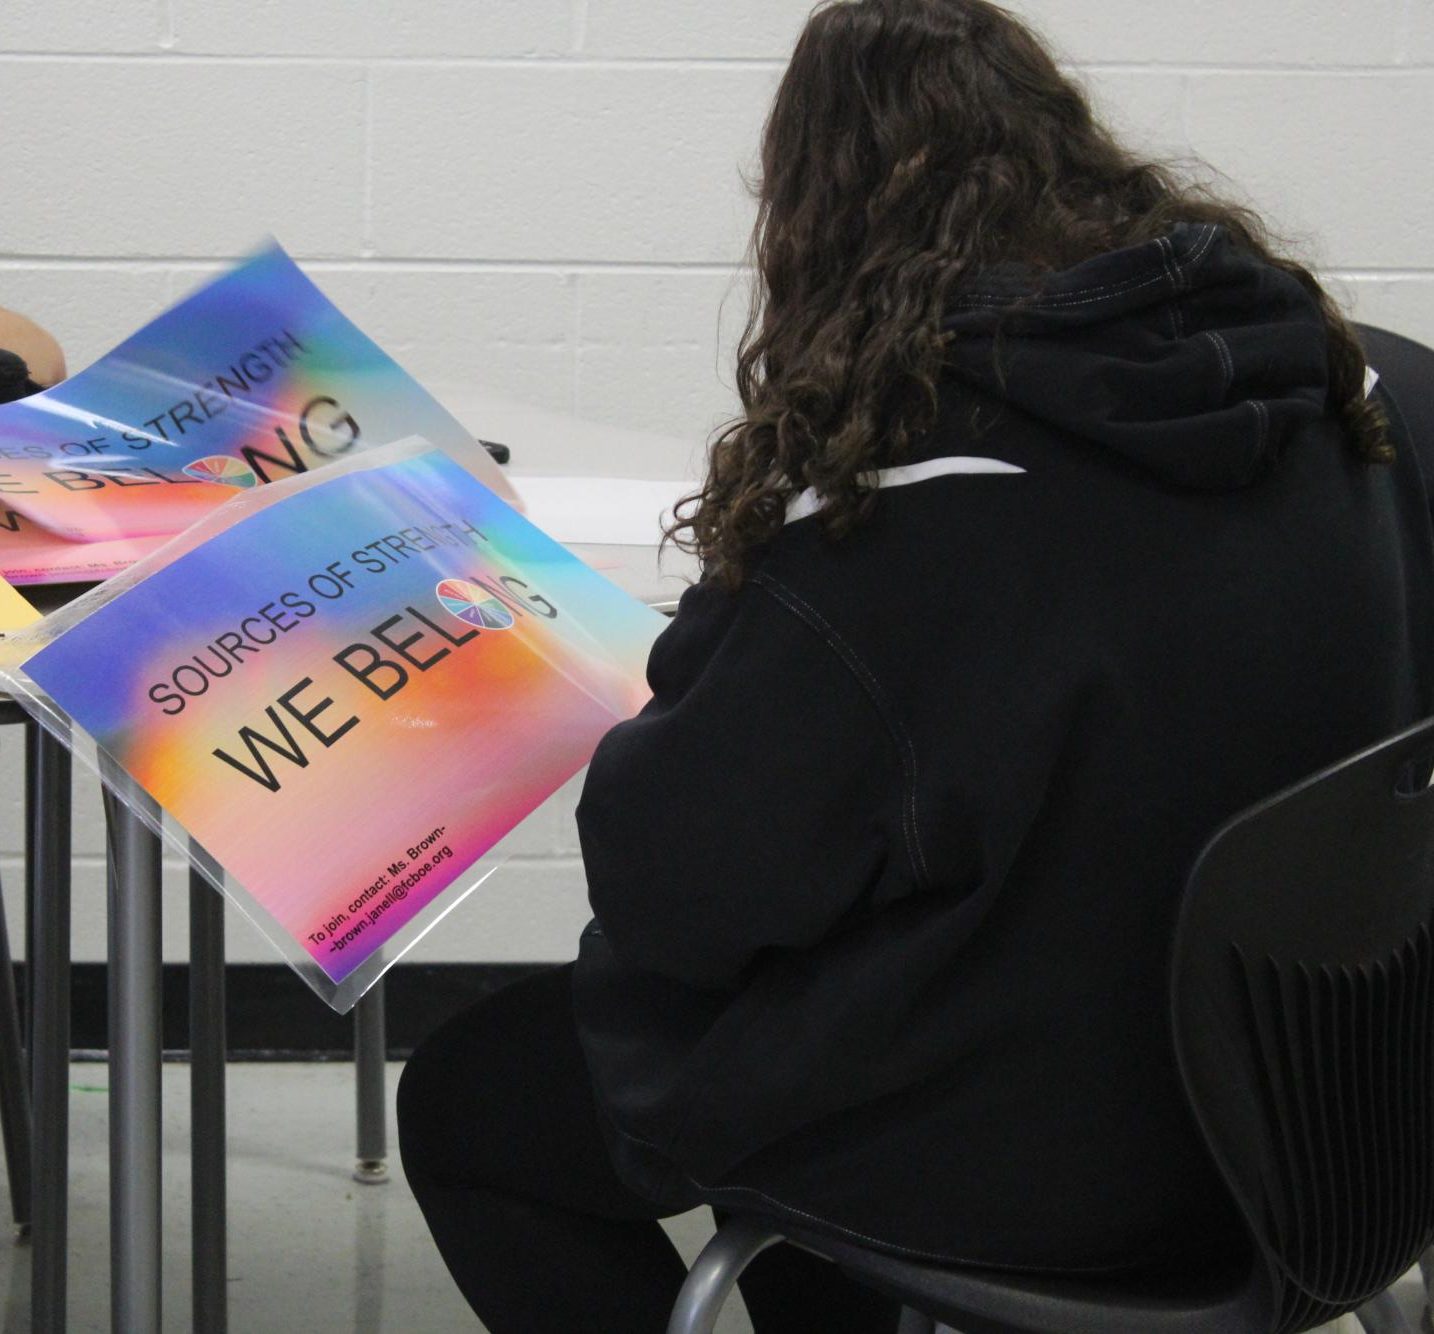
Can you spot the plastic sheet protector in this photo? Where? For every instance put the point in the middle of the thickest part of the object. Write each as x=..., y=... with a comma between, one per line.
x=344, y=690
x=255, y=377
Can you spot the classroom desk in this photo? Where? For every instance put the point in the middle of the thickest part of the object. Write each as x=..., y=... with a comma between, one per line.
x=135, y=966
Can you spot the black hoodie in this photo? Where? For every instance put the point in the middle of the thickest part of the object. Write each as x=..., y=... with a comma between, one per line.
x=885, y=875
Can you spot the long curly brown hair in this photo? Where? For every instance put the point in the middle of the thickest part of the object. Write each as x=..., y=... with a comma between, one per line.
x=912, y=144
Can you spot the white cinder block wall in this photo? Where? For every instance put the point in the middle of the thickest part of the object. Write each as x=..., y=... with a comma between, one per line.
x=542, y=197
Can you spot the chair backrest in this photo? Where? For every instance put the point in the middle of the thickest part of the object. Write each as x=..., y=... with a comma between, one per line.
x=1302, y=994
x=1406, y=369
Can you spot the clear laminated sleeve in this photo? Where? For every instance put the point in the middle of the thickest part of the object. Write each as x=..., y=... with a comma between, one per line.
x=338, y=695
x=251, y=379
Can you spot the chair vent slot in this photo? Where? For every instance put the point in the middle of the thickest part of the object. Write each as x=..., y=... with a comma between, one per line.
x=1344, y=1063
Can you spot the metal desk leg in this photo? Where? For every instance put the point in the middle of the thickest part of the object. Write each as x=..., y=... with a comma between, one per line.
x=49, y=970
x=14, y=1090
x=32, y=760
x=35, y=742
x=370, y=1049
x=207, y=1050
x=135, y=1056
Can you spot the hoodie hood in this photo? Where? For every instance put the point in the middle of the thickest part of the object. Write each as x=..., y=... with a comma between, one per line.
x=1185, y=355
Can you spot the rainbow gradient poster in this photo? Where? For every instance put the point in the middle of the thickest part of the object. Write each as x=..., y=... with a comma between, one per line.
x=348, y=688
x=255, y=377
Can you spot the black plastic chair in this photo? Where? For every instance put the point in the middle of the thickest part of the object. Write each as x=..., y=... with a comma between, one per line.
x=1406, y=370
x=1302, y=1001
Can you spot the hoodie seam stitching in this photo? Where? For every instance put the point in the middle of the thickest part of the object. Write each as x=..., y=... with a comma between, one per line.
x=1199, y=246
x=1082, y=296
x=1227, y=360
x=906, y=752
x=1177, y=322
x=1262, y=414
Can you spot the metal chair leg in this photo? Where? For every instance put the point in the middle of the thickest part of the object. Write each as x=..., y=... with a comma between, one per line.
x=48, y=968
x=14, y=1089
x=1381, y=1315
x=207, y=1051
x=370, y=1051
x=709, y=1282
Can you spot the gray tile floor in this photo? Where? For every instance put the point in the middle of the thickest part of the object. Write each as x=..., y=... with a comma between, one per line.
x=310, y=1249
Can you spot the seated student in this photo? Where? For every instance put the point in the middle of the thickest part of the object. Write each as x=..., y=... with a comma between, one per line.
x=1057, y=528
x=30, y=358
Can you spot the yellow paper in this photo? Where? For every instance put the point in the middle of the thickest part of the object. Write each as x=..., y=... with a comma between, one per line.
x=14, y=610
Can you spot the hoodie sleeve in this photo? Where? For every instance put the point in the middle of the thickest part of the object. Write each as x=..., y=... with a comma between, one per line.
x=752, y=804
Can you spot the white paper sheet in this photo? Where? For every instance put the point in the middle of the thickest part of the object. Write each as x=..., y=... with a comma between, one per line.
x=601, y=511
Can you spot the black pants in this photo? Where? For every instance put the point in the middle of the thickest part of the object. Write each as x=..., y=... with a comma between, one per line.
x=501, y=1145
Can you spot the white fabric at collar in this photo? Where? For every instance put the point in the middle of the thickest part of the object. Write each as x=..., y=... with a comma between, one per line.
x=1371, y=378
x=808, y=503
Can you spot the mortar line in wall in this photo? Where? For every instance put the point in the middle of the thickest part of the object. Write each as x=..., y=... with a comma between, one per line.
x=575, y=330
x=1298, y=69
x=168, y=36
x=771, y=63
x=1374, y=275
x=566, y=62
x=556, y=267
x=388, y=264
x=41, y=262
x=366, y=221
x=580, y=26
